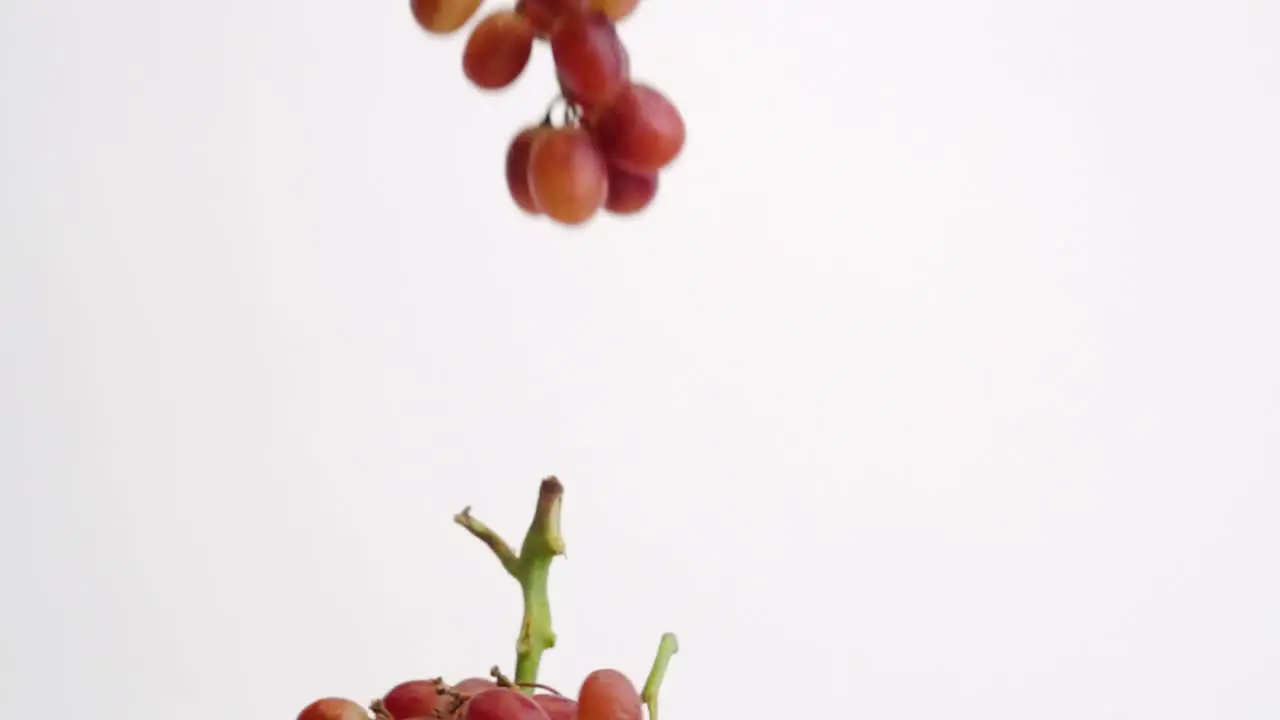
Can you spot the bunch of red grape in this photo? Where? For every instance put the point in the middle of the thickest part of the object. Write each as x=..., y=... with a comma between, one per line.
x=605, y=695
x=616, y=134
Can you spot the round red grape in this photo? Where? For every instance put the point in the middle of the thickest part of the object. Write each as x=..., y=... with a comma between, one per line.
x=415, y=698
x=630, y=192
x=641, y=130
x=518, y=168
x=608, y=695
x=474, y=686
x=333, y=709
x=568, y=177
x=504, y=704
x=471, y=686
x=443, y=16
x=498, y=50
x=557, y=707
x=544, y=14
x=590, y=59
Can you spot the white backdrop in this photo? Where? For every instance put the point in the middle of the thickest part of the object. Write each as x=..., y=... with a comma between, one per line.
x=941, y=380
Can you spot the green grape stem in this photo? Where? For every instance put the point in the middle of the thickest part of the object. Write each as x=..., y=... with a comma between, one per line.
x=667, y=647
x=542, y=543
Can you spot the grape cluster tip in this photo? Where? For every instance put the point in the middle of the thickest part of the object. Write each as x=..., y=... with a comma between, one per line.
x=604, y=694
x=614, y=136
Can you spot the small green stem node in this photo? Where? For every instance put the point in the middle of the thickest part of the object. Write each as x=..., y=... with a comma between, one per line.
x=667, y=647
x=531, y=568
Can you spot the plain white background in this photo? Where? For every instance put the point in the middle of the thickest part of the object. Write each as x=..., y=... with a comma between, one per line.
x=941, y=381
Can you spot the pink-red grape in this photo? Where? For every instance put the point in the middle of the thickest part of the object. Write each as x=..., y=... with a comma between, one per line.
x=557, y=707
x=471, y=686
x=630, y=192
x=568, y=177
x=415, y=698
x=474, y=686
x=590, y=59
x=608, y=695
x=544, y=14
x=618, y=134
x=498, y=50
x=504, y=704
x=518, y=168
x=333, y=709
x=443, y=16
x=615, y=10
x=640, y=131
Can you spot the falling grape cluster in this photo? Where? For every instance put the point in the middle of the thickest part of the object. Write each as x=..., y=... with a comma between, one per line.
x=615, y=134
x=605, y=694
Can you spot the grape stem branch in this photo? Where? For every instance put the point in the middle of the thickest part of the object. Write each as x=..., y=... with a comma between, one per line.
x=667, y=647
x=542, y=543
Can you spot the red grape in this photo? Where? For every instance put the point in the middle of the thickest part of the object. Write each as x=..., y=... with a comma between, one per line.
x=630, y=192
x=608, y=695
x=557, y=707
x=471, y=686
x=498, y=50
x=640, y=131
x=615, y=10
x=474, y=686
x=504, y=704
x=333, y=709
x=544, y=14
x=568, y=94
x=568, y=177
x=590, y=59
x=588, y=111
x=518, y=168
x=618, y=134
x=415, y=698
x=443, y=16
